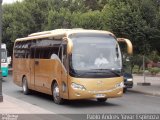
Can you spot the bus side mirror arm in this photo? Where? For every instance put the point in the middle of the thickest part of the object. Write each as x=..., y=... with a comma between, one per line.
x=69, y=44
x=129, y=44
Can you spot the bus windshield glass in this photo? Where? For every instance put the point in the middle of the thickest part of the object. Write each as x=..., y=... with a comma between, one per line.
x=95, y=52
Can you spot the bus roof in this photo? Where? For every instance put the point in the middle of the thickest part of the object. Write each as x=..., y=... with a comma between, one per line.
x=59, y=33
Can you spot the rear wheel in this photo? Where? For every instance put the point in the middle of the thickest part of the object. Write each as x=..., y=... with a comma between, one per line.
x=25, y=86
x=56, y=94
x=101, y=99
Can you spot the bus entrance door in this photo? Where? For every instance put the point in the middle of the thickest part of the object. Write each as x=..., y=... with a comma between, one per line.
x=64, y=82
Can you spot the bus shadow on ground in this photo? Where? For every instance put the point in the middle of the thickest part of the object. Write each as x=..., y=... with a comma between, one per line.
x=88, y=103
x=72, y=103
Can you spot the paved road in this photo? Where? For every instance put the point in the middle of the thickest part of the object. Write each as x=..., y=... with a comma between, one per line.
x=129, y=103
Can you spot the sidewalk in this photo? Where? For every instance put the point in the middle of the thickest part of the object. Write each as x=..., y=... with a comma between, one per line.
x=153, y=89
x=11, y=105
x=15, y=109
x=15, y=106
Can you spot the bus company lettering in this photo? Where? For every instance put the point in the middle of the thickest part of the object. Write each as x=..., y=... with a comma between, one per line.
x=127, y=117
x=110, y=117
x=103, y=117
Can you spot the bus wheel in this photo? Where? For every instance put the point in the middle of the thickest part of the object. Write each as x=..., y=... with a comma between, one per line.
x=101, y=99
x=56, y=94
x=25, y=86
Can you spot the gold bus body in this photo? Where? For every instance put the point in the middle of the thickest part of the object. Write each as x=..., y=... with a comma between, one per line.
x=40, y=78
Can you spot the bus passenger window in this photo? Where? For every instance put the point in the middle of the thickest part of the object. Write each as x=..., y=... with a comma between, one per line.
x=54, y=53
x=32, y=52
x=54, y=56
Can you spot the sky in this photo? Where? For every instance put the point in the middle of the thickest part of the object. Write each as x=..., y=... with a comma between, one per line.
x=8, y=1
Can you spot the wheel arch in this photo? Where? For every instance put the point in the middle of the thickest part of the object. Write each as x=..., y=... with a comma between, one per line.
x=53, y=82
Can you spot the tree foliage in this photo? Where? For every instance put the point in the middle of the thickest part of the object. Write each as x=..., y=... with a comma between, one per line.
x=138, y=20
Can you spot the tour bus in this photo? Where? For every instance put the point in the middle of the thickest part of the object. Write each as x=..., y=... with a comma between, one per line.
x=4, y=62
x=70, y=64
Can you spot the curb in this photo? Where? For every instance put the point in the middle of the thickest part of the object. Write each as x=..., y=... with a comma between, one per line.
x=146, y=93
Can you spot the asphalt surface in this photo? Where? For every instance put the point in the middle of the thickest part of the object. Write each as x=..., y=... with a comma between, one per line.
x=128, y=104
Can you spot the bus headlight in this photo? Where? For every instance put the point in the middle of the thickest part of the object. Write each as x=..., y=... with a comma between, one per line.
x=119, y=85
x=77, y=86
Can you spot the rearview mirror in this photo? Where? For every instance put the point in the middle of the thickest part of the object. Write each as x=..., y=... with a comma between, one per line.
x=129, y=44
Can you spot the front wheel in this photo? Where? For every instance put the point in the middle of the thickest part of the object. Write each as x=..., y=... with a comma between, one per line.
x=56, y=94
x=25, y=89
x=101, y=99
x=124, y=90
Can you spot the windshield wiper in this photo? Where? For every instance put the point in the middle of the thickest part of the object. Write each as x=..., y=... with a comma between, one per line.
x=104, y=70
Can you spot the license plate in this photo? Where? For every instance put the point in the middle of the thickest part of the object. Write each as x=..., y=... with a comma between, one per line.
x=100, y=95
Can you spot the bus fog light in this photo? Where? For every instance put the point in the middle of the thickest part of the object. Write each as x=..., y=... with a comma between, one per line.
x=77, y=94
x=77, y=86
x=119, y=85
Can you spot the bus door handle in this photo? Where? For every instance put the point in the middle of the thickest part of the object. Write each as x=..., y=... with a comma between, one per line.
x=36, y=62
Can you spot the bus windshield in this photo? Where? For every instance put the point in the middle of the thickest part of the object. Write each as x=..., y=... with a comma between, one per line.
x=95, y=52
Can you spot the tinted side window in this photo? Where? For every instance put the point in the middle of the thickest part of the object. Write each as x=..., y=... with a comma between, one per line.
x=42, y=49
x=22, y=49
x=54, y=51
x=32, y=49
x=18, y=52
x=46, y=48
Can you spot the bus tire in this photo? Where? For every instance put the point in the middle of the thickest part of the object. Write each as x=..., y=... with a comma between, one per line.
x=25, y=89
x=56, y=95
x=101, y=99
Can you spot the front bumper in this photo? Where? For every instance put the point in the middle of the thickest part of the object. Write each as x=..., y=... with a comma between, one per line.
x=78, y=94
x=95, y=88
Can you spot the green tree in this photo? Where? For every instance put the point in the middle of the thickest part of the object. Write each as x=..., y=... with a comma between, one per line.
x=88, y=20
x=132, y=19
x=154, y=56
x=57, y=20
x=138, y=20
